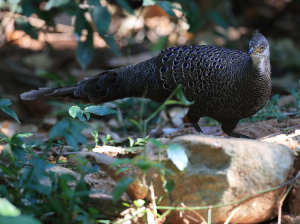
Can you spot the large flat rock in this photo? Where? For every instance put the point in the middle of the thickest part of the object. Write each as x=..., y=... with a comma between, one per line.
x=221, y=171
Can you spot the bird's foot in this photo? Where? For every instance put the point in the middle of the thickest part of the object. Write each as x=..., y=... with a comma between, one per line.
x=238, y=135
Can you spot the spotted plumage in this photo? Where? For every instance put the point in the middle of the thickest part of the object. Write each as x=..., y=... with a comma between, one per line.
x=224, y=84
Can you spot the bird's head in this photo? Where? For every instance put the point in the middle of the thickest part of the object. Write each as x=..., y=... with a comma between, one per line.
x=258, y=46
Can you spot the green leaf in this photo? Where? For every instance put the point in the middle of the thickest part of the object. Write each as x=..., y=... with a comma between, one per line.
x=131, y=141
x=193, y=14
x=123, y=169
x=88, y=116
x=121, y=187
x=104, y=221
x=11, y=2
x=170, y=102
x=85, y=49
x=76, y=111
x=2, y=136
x=27, y=27
x=70, y=139
x=218, y=19
x=103, y=139
x=70, y=130
x=155, y=142
x=167, y=7
x=8, y=209
x=99, y=110
x=27, y=8
x=136, y=123
x=94, y=134
x=82, y=186
x=125, y=6
x=178, y=156
x=100, y=16
x=111, y=42
x=168, y=186
x=57, y=129
x=181, y=97
x=121, y=162
x=144, y=164
x=149, y=2
x=126, y=204
x=159, y=199
x=22, y=219
x=139, y=203
x=4, y=103
x=160, y=45
x=24, y=135
x=55, y=3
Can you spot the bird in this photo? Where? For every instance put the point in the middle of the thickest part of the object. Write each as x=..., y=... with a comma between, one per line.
x=224, y=84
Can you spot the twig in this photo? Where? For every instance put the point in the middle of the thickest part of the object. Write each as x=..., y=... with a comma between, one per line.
x=47, y=149
x=231, y=215
x=137, y=212
x=283, y=198
x=286, y=129
x=209, y=215
x=279, y=212
x=151, y=188
x=240, y=216
x=194, y=212
x=61, y=150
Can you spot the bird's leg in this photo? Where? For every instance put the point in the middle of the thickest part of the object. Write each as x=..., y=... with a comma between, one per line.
x=228, y=127
x=197, y=127
x=194, y=118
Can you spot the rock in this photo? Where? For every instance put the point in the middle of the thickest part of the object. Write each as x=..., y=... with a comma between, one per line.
x=291, y=140
x=222, y=171
x=294, y=200
x=264, y=128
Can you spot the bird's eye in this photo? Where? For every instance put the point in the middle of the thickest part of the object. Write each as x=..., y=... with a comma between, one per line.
x=262, y=47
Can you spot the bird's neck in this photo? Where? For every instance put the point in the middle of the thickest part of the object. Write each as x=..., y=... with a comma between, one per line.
x=262, y=64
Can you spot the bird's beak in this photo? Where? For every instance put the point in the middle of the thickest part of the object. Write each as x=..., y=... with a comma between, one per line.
x=250, y=50
x=254, y=51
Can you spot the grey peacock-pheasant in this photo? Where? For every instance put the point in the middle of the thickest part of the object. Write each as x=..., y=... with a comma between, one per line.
x=226, y=85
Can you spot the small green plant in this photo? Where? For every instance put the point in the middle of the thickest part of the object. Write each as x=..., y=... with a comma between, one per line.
x=139, y=143
x=175, y=152
x=296, y=95
x=37, y=191
x=76, y=111
x=10, y=214
x=70, y=130
x=107, y=140
x=181, y=100
x=4, y=103
x=95, y=135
